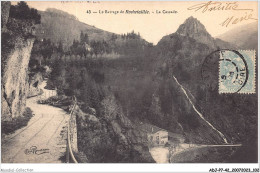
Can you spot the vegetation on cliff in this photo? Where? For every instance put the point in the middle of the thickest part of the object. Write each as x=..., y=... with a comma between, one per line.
x=19, y=28
x=17, y=41
x=23, y=12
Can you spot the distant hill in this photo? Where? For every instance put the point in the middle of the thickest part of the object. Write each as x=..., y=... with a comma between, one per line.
x=245, y=37
x=57, y=26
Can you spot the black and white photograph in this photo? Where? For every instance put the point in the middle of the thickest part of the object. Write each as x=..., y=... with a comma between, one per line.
x=129, y=82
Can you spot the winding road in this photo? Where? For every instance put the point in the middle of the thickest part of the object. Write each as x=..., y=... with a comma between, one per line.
x=43, y=140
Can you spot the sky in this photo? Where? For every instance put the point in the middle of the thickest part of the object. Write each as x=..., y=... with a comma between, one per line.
x=154, y=26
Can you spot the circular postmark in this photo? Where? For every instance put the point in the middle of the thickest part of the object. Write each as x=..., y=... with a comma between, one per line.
x=225, y=69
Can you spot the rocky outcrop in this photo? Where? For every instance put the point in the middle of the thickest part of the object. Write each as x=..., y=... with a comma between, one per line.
x=194, y=29
x=16, y=52
x=15, y=79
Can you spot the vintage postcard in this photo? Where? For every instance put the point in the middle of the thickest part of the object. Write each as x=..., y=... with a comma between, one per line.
x=129, y=82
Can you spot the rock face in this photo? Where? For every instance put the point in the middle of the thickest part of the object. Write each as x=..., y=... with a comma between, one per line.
x=16, y=51
x=15, y=80
x=194, y=29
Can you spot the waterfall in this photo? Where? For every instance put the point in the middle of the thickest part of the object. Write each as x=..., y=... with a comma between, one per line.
x=201, y=116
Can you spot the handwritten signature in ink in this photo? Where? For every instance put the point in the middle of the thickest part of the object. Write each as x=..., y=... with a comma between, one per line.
x=225, y=6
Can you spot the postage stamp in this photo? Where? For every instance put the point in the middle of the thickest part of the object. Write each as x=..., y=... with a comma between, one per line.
x=237, y=71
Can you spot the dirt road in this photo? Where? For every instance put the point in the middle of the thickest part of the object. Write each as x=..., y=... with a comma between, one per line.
x=43, y=140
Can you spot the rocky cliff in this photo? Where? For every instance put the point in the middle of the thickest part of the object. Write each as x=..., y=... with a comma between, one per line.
x=193, y=28
x=14, y=81
x=17, y=43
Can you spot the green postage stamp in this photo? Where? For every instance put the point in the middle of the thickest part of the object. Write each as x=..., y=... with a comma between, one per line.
x=237, y=71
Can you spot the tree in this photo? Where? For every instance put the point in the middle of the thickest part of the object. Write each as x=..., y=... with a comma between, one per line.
x=113, y=37
x=60, y=47
x=84, y=38
x=81, y=37
x=94, y=46
x=22, y=11
x=57, y=76
x=47, y=48
x=35, y=16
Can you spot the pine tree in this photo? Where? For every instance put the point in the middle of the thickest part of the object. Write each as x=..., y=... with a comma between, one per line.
x=81, y=37
x=60, y=47
x=86, y=39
